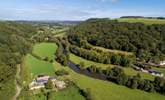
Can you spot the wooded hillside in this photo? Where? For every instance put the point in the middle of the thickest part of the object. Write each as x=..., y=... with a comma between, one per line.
x=146, y=41
x=14, y=43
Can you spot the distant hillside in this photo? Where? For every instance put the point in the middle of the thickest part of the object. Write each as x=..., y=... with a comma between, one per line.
x=146, y=41
x=142, y=17
x=51, y=23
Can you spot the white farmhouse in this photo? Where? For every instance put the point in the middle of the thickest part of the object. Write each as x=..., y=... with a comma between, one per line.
x=162, y=63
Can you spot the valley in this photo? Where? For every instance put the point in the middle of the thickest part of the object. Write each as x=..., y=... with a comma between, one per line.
x=80, y=62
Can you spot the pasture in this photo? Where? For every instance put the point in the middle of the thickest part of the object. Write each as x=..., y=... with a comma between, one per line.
x=142, y=20
x=37, y=66
x=45, y=50
x=71, y=93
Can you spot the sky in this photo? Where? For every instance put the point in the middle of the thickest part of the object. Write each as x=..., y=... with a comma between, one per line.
x=78, y=9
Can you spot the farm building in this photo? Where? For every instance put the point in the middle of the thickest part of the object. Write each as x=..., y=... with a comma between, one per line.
x=40, y=82
x=162, y=63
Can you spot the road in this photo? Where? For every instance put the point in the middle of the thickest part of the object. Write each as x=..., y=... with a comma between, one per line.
x=18, y=87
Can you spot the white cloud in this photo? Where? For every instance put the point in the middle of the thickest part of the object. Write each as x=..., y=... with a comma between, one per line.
x=60, y=12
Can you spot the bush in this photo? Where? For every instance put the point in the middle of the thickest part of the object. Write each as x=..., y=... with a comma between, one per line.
x=61, y=72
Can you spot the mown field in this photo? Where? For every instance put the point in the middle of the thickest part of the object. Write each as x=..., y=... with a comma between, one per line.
x=45, y=50
x=38, y=66
x=142, y=20
x=70, y=93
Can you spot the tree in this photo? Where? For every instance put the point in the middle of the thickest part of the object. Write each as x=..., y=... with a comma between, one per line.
x=93, y=68
x=99, y=70
x=135, y=81
x=115, y=60
x=124, y=62
x=148, y=86
x=46, y=58
x=81, y=65
x=49, y=85
x=122, y=79
x=158, y=83
x=61, y=72
x=115, y=74
x=89, y=96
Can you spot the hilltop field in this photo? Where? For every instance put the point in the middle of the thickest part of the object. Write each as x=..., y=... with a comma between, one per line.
x=142, y=20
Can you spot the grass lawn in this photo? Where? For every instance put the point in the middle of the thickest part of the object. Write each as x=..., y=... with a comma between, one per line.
x=103, y=90
x=71, y=93
x=45, y=50
x=142, y=20
x=37, y=66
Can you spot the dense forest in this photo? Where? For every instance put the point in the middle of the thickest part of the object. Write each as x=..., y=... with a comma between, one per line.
x=14, y=43
x=145, y=41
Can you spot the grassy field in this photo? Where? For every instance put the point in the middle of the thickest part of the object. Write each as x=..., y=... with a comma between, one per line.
x=37, y=66
x=70, y=93
x=128, y=71
x=113, y=51
x=142, y=20
x=45, y=50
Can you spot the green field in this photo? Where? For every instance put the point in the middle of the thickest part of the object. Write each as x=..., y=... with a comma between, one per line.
x=142, y=20
x=70, y=93
x=45, y=50
x=37, y=66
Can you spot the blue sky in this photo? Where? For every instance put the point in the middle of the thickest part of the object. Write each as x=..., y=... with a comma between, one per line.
x=78, y=9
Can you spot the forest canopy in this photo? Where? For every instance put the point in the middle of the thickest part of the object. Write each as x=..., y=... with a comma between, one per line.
x=14, y=43
x=146, y=41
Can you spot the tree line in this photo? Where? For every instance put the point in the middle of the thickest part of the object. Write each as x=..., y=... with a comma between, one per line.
x=102, y=57
x=118, y=76
x=62, y=53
